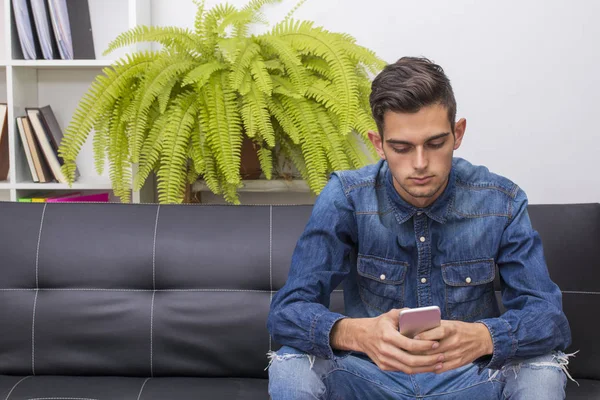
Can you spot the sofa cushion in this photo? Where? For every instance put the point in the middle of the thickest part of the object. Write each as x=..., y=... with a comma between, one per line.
x=122, y=388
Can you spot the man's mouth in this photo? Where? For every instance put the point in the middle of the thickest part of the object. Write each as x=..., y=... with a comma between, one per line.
x=421, y=181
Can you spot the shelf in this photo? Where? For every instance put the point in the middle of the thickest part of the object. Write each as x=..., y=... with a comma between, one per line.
x=81, y=185
x=60, y=64
x=5, y=185
x=263, y=185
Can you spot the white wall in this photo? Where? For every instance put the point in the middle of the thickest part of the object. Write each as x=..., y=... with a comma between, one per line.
x=525, y=74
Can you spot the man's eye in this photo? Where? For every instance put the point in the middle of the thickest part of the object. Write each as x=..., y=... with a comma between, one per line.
x=400, y=149
x=436, y=145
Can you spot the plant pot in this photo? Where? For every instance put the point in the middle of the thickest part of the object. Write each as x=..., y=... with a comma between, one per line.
x=250, y=165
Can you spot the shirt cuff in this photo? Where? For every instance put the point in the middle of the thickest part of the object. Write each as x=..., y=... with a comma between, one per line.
x=504, y=343
x=320, y=333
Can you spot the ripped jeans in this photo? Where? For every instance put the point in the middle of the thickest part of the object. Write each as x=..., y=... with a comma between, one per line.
x=296, y=375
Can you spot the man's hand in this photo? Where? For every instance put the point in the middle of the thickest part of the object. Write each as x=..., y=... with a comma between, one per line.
x=460, y=342
x=379, y=338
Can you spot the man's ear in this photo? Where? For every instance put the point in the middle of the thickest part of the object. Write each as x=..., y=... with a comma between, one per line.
x=375, y=138
x=459, y=132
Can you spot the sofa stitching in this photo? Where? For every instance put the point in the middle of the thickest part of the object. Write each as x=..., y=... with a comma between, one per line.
x=61, y=398
x=37, y=287
x=153, y=293
x=135, y=290
x=142, y=388
x=15, y=386
x=33, y=334
x=270, y=264
x=152, y=335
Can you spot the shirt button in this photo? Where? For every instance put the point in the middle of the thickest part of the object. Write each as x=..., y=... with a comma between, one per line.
x=468, y=280
x=422, y=239
x=382, y=277
x=419, y=213
x=423, y=280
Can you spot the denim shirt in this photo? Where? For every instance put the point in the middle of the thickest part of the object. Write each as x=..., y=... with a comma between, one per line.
x=388, y=254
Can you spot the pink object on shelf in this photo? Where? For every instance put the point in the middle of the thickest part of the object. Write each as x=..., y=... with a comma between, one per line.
x=99, y=198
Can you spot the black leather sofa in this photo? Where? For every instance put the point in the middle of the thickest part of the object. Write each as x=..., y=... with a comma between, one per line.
x=114, y=301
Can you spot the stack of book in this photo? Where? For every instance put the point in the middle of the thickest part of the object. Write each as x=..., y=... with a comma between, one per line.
x=61, y=197
x=41, y=135
x=54, y=29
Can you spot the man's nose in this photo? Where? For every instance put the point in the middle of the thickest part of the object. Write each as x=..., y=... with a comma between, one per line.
x=420, y=161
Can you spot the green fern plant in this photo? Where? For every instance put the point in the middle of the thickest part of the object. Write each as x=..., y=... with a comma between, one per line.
x=183, y=111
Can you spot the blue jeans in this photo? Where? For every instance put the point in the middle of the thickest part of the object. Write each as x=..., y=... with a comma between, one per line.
x=296, y=375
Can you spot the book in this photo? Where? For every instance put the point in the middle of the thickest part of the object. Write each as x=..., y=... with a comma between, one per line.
x=39, y=162
x=49, y=135
x=96, y=198
x=27, y=150
x=41, y=197
x=43, y=28
x=72, y=28
x=23, y=18
x=4, y=152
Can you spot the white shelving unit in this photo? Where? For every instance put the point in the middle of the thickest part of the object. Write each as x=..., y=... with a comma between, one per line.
x=60, y=84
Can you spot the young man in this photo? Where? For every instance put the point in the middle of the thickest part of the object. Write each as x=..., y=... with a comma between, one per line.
x=419, y=228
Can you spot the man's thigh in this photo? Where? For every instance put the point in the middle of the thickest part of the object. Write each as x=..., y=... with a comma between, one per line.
x=461, y=383
x=295, y=375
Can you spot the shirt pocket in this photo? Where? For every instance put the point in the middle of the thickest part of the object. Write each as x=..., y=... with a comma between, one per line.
x=381, y=282
x=469, y=289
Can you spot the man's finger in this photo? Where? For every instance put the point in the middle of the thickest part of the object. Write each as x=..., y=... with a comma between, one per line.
x=437, y=333
x=416, y=346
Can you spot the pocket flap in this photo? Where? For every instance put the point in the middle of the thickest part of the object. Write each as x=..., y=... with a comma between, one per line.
x=469, y=273
x=382, y=270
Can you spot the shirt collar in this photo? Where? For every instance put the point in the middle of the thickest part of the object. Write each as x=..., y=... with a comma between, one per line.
x=437, y=211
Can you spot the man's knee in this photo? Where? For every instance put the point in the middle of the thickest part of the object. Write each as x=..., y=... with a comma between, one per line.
x=292, y=375
x=543, y=377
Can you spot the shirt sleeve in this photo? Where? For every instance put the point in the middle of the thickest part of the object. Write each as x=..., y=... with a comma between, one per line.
x=534, y=323
x=299, y=315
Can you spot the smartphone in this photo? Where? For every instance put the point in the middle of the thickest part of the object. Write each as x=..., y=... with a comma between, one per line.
x=417, y=320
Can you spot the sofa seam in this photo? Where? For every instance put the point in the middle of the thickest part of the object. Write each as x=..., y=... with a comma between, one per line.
x=37, y=289
x=15, y=386
x=142, y=388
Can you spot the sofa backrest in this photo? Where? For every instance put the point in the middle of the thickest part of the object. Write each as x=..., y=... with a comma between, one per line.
x=140, y=290
x=149, y=290
x=571, y=239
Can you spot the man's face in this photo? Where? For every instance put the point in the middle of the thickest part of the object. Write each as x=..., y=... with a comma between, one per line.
x=419, y=148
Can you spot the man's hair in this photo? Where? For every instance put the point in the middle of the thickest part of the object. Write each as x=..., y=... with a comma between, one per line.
x=408, y=85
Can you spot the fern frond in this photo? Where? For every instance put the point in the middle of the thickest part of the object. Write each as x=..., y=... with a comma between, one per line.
x=318, y=65
x=241, y=66
x=316, y=41
x=310, y=141
x=101, y=142
x=285, y=87
x=101, y=96
x=293, y=10
x=277, y=109
x=172, y=172
x=151, y=150
x=332, y=141
x=293, y=152
x=255, y=116
x=261, y=76
x=358, y=151
x=287, y=55
x=322, y=91
x=201, y=74
x=265, y=157
x=180, y=39
x=274, y=65
x=118, y=152
x=224, y=134
x=157, y=78
x=199, y=19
